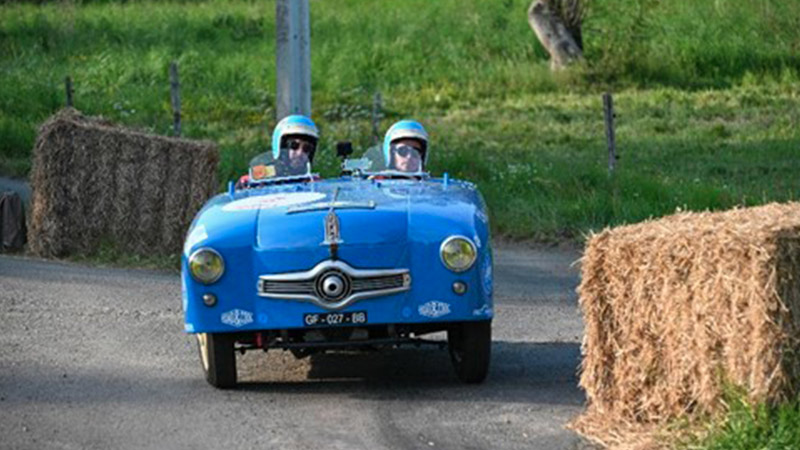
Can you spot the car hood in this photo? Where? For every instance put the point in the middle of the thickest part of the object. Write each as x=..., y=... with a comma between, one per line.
x=367, y=216
x=379, y=220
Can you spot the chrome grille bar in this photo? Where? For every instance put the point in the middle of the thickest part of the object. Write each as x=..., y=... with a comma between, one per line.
x=302, y=286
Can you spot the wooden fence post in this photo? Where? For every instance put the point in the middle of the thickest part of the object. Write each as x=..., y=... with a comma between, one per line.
x=68, y=88
x=376, y=118
x=175, y=90
x=608, y=108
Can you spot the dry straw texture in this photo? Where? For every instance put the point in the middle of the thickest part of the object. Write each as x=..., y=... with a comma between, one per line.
x=94, y=182
x=679, y=309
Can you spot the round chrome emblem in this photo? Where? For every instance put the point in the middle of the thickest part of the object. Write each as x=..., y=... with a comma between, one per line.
x=332, y=286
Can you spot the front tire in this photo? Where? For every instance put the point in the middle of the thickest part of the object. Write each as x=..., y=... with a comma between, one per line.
x=218, y=359
x=470, y=345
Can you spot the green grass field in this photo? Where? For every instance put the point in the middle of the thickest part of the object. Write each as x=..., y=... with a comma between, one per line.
x=706, y=94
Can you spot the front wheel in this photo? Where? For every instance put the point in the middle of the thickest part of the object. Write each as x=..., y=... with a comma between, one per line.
x=218, y=359
x=470, y=345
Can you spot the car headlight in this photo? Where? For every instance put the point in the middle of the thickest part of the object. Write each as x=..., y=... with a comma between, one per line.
x=458, y=253
x=206, y=265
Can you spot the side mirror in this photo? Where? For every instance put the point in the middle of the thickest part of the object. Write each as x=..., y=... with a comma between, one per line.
x=344, y=149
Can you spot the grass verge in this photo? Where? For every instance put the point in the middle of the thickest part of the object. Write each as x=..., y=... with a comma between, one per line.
x=747, y=427
x=108, y=255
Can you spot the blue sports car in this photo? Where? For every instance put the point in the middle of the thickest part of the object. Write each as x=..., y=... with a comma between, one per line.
x=376, y=258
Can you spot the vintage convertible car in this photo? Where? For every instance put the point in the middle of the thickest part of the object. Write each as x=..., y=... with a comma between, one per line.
x=373, y=259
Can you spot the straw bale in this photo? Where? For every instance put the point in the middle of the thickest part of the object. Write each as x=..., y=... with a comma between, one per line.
x=93, y=181
x=128, y=173
x=177, y=199
x=678, y=309
x=99, y=212
x=202, y=187
x=49, y=196
x=156, y=170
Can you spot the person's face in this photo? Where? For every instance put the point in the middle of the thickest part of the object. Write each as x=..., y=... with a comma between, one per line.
x=299, y=148
x=406, y=155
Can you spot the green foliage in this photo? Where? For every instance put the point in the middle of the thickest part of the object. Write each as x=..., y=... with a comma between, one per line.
x=109, y=254
x=706, y=94
x=691, y=43
x=746, y=427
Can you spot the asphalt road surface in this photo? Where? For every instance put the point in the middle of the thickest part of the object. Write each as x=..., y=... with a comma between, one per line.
x=94, y=358
x=17, y=185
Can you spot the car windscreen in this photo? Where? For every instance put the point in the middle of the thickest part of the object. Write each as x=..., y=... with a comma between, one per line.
x=265, y=167
x=401, y=159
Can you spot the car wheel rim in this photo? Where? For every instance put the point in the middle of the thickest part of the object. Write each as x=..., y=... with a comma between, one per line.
x=202, y=340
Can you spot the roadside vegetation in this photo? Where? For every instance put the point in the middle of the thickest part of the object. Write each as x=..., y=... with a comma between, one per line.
x=706, y=94
x=109, y=255
x=746, y=427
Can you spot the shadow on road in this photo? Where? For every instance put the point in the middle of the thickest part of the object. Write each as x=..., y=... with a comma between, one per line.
x=520, y=373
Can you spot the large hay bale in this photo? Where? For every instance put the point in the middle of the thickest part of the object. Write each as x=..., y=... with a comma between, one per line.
x=679, y=308
x=94, y=182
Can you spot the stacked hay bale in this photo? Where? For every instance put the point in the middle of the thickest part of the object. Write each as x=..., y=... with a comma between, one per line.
x=94, y=182
x=679, y=309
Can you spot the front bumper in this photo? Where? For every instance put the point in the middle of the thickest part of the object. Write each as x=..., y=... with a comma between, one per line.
x=429, y=299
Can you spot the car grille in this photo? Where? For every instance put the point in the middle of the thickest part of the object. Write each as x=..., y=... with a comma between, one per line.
x=286, y=287
x=372, y=283
x=307, y=286
x=334, y=284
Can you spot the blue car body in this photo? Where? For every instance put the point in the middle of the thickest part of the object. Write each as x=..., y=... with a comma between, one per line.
x=277, y=229
x=375, y=259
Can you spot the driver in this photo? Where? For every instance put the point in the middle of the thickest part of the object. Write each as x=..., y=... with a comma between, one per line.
x=294, y=142
x=405, y=146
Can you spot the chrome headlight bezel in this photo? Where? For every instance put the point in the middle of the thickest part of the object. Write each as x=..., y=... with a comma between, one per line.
x=195, y=254
x=473, y=249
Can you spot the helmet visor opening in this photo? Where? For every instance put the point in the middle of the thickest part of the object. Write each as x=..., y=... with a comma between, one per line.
x=300, y=144
x=406, y=158
x=295, y=143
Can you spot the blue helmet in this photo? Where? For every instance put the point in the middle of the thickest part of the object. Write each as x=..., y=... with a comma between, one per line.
x=405, y=129
x=294, y=125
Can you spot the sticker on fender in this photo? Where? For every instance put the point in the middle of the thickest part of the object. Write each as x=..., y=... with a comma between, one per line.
x=273, y=201
x=434, y=309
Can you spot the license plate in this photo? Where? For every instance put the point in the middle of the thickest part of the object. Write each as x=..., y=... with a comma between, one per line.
x=342, y=318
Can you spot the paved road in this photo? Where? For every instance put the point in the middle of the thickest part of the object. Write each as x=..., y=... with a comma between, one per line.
x=17, y=185
x=95, y=359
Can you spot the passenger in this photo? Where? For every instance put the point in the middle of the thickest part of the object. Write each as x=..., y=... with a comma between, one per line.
x=405, y=147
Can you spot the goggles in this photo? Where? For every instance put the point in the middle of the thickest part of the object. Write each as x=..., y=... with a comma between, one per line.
x=404, y=150
x=300, y=144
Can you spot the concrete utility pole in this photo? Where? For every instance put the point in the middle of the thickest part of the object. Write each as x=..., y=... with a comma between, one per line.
x=293, y=58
